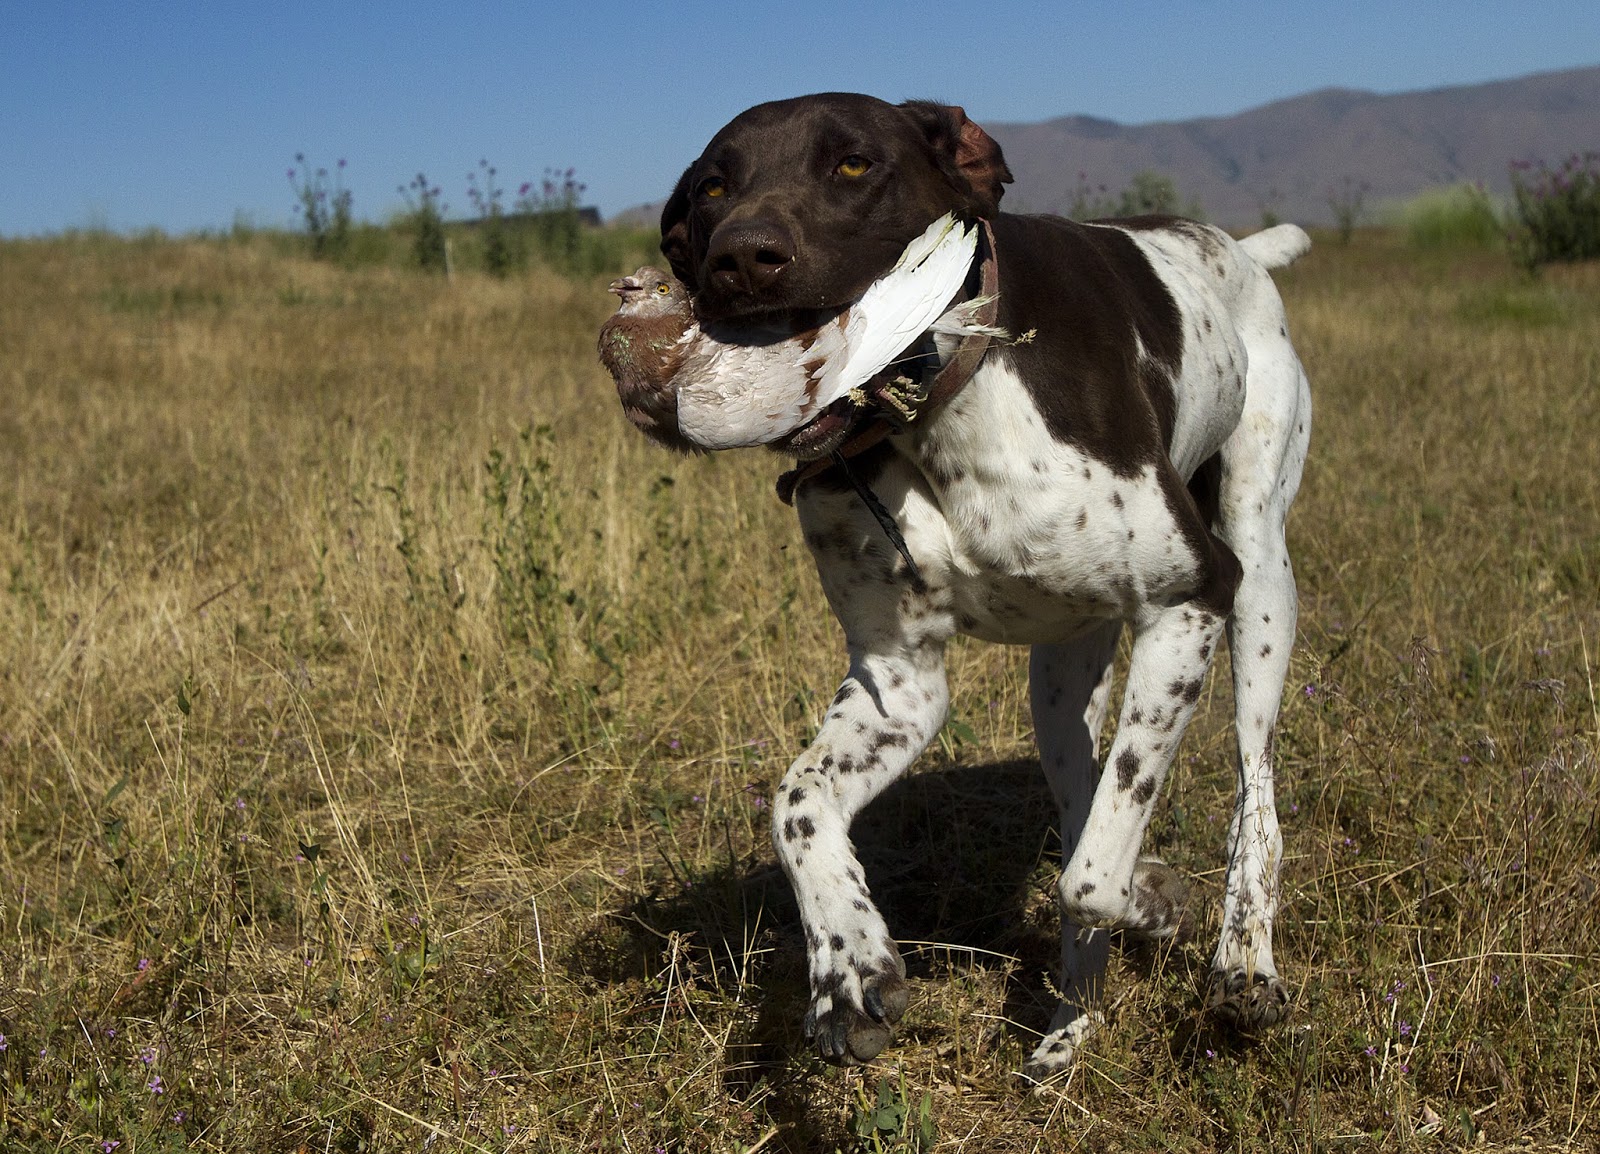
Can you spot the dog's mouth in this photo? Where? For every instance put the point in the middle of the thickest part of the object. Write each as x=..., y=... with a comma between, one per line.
x=799, y=295
x=757, y=324
x=743, y=314
x=821, y=435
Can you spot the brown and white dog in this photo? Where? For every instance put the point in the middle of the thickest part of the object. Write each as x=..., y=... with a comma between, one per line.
x=1127, y=460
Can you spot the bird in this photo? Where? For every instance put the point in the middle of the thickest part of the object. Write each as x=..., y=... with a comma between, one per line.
x=642, y=345
x=732, y=384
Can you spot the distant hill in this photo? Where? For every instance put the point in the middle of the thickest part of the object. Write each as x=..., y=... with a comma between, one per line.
x=1287, y=156
x=640, y=215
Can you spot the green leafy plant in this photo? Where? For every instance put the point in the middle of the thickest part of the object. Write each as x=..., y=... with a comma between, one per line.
x=523, y=532
x=892, y=1122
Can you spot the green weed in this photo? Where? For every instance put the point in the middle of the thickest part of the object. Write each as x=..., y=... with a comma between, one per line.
x=1459, y=217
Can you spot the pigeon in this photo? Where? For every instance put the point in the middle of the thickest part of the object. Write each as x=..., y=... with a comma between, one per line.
x=643, y=345
x=727, y=385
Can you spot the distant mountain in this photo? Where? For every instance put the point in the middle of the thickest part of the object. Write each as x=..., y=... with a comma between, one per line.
x=1286, y=156
x=640, y=215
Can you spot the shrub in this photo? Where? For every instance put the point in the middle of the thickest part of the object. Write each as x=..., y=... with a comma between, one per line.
x=1460, y=216
x=324, y=207
x=1348, y=205
x=1557, y=210
x=1148, y=193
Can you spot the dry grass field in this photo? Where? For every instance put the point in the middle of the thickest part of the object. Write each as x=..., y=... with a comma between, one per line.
x=386, y=733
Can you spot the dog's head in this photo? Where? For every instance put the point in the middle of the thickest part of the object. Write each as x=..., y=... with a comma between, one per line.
x=801, y=204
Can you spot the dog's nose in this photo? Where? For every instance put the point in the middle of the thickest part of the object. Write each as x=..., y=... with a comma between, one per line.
x=746, y=258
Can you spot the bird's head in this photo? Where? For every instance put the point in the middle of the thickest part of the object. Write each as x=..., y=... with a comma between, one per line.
x=649, y=292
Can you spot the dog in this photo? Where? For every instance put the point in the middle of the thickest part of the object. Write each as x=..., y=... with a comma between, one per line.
x=1127, y=458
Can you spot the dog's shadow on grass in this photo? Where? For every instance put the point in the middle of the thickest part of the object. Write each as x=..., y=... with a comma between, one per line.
x=960, y=859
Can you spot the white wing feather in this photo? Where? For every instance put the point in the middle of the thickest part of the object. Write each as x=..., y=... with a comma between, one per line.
x=900, y=306
x=758, y=389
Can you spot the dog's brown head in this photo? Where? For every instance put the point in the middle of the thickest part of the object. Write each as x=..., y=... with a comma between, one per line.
x=801, y=204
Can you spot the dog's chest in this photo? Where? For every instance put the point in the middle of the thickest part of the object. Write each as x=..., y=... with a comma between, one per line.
x=1033, y=538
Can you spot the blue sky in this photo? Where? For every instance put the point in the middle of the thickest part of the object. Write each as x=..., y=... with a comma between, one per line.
x=183, y=116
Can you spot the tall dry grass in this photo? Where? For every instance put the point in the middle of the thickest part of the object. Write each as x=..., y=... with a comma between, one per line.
x=385, y=733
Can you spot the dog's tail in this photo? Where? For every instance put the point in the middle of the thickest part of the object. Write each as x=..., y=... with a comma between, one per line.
x=1277, y=246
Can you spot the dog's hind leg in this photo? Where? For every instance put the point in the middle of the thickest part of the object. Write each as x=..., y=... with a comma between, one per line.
x=1260, y=474
x=1069, y=686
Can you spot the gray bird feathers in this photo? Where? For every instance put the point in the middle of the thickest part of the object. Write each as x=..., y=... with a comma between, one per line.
x=738, y=386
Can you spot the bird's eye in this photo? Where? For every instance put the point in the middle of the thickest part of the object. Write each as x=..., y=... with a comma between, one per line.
x=664, y=289
x=853, y=166
x=713, y=186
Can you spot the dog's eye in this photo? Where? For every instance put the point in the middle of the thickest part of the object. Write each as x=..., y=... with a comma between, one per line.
x=712, y=186
x=853, y=166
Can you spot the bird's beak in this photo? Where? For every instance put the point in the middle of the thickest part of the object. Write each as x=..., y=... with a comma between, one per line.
x=624, y=285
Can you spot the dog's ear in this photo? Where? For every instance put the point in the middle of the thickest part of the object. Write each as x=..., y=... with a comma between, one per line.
x=675, y=230
x=968, y=148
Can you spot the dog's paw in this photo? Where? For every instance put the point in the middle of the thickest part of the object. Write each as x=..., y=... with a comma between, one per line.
x=1161, y=899
x=1247, y=1003
x=846, y=1034
x=1058, y=1050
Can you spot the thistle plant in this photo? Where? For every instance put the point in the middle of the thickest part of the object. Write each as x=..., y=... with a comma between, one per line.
x=501, y=254
x=323, y=204
x=555, y=213
x=1557, y=210
x=426, y=218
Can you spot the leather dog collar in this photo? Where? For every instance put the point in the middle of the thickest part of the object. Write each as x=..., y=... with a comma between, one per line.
x=887, y=412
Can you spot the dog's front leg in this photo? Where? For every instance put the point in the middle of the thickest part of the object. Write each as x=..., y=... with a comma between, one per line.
x=885, y=713
x=889, y=707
